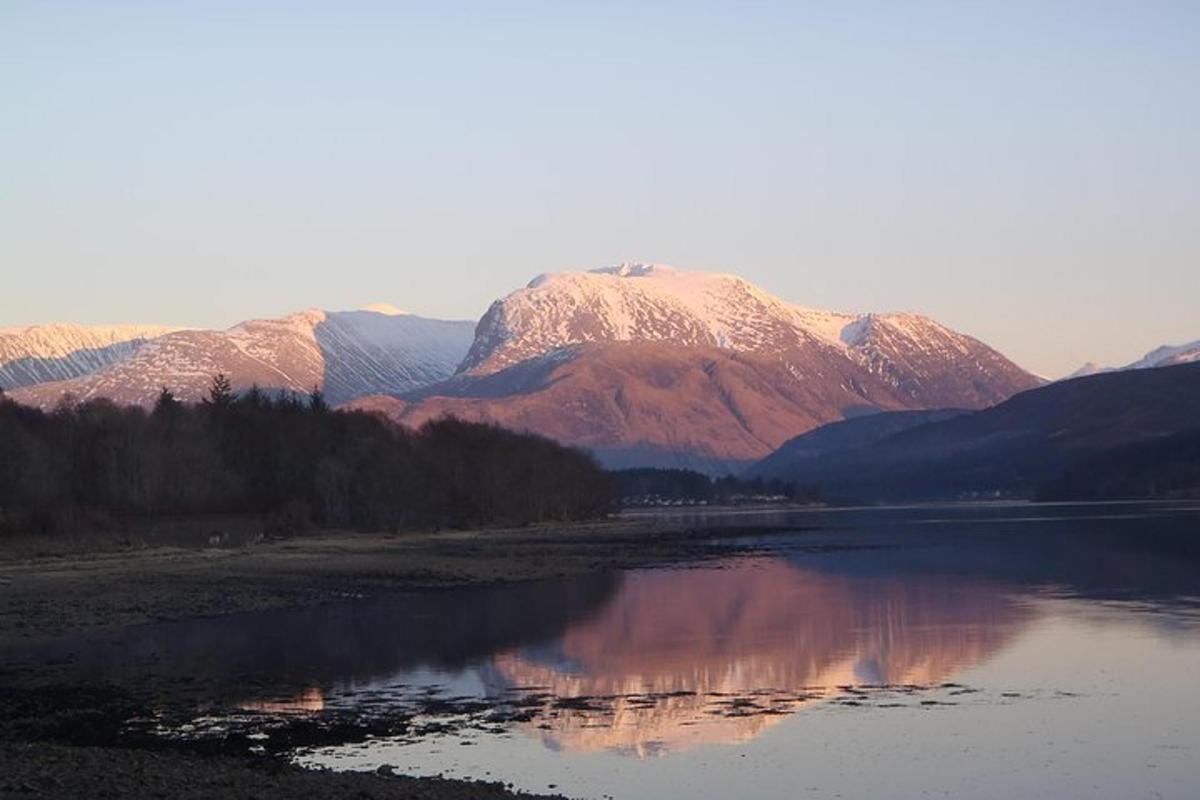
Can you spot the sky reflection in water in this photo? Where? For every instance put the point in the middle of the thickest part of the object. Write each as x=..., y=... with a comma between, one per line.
x=975, y=652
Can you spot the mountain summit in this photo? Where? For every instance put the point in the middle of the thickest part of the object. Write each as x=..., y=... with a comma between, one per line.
x=923, y=362
x=643, y=364
x=649, y=365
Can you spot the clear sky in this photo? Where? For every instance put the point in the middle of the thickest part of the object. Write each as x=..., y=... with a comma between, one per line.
x=1026, y=172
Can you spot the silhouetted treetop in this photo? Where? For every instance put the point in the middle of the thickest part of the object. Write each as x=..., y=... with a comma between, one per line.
x=221, y=392
x=293, y=463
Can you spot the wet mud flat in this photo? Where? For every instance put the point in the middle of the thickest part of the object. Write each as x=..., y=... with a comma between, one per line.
x=106, y=741
x=53, y=593
x=76, y=742
x=66, y=740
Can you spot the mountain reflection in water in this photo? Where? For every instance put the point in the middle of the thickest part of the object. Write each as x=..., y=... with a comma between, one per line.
x=672, y=643
x=661, y=660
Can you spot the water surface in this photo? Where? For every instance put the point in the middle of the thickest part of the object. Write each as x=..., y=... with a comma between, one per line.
x=964, y=651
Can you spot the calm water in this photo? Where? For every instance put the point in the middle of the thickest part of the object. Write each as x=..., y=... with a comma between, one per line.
x=978, y=652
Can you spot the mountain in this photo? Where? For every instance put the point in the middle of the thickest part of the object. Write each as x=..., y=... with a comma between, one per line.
x=850, y=434
x=648, y=365
x=1089, y=368
x=926, y=363
x=41, y=353
x=1013, y=448
x=1165, y=467
x=1169, y=356
x=348, y=354
x=1165, y=356
x=648, y=403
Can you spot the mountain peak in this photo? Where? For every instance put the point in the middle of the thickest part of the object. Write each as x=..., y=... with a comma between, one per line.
x=386, y=309
x=635, y=269
x=1169, y=355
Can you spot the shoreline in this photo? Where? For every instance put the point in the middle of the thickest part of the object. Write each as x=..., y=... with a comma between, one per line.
x=57, y=744
x=51, y=595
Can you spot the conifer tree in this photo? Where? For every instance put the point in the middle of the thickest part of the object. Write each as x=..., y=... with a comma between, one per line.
x=220, y=394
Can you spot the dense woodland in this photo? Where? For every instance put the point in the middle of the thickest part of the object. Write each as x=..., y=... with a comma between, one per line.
x=651, y=486
x=290, y=459
x=1164, y=468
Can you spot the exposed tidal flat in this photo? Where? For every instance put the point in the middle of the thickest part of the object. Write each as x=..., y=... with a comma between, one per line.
x=183, y=569
x=57, y=740
x=976, y=650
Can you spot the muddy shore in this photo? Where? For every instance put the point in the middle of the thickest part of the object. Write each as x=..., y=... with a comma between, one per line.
x=219, y=567
x=61, y=594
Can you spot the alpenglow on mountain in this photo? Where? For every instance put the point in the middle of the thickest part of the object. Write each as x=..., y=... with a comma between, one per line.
x=1165, y=356
x=58, y=352
x=642, y=364
x=914, y=355
x=651, y=365
x=347, y=354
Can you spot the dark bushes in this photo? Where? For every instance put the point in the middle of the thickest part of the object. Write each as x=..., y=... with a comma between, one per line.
x=292, y=461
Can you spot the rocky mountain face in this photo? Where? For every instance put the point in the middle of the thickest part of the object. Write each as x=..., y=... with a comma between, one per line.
x=651, y=403
x=41, y=353
x=348, y=354
x=645, y=365
x=923, y=361
x=648, y=365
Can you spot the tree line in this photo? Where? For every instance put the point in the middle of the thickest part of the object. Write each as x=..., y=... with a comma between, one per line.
x=1168, y=467
x=651, y=485
x=287, y=458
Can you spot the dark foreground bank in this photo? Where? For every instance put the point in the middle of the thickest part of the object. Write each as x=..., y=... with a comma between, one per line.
x=50, y=771
x=58, y=741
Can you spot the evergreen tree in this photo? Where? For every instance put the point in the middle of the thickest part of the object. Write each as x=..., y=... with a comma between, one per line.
x=220, y=394
x=166, y=403
x=316, y=401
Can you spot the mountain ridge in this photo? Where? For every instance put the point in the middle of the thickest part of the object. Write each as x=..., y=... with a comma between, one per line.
x=1166, y=355
x=346, y=353
x=644, y=364
x=1010, y=449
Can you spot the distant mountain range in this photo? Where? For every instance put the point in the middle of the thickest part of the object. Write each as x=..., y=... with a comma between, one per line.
x=1165, y=356
x=646, y=365
x=1038, y=443
x=45, y=353
x=349, y=354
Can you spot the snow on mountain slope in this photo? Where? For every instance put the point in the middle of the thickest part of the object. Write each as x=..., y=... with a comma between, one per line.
x=367, y=350
x=350, y=353
x=651, y=403
x=1168, y=356
x=648, y=302
x=647, y=365
x=40, y=353
x=1089, y=368
x=926, y=362
x=1165, y=356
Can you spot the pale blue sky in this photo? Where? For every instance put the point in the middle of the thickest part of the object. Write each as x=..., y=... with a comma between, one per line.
x=1026, y=172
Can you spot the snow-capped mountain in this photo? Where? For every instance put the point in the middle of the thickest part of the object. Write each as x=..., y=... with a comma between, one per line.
x=1089, y=368
x=643, y=364
x=1168, y=356
x=647, y=365
x=925, y=362
x=650, y=403
x=1165, y=356
x=348, y=354
x=40, y=353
